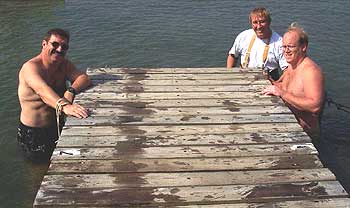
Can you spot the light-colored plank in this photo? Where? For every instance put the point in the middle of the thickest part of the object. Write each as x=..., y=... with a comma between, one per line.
x=157, y=103
x=177, y=76
x=171, y=196
x=229, y=110
x=311, y=202
x=183, y=164
x=182, y=140
x=175, y=88
x=168, y=82
x=181, y=120
x=169, y=95
x=212, y=70
x=212, y=178
x=132, y=150
x=162, y=130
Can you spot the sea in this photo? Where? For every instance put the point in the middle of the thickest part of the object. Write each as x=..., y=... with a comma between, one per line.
x=163, y=33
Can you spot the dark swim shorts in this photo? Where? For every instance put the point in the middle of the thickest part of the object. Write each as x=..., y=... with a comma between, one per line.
x=37, y=143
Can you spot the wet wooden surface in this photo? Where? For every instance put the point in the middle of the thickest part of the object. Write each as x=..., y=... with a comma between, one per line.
x=184, y=137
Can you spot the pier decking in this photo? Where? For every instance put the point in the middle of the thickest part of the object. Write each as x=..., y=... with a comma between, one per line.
x=183, y=137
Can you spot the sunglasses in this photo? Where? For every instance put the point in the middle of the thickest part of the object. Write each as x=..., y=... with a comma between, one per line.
x=57, y=44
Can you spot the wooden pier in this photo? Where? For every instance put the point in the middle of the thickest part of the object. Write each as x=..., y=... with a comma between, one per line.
x=185, y=137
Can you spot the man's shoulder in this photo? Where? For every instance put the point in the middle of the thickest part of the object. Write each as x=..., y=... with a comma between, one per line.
x=244, y=33
x=275, y=37
x=32, y=65
x=312, y=66
x=245, y=36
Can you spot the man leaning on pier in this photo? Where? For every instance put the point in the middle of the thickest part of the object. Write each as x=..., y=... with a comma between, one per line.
x=302, y=84
x=43, y=95
x=259, y=47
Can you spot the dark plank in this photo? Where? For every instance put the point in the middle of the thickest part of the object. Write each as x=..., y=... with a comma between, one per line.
x=189, y=179
x=166, y=130
x=199, y=195
x=83, y=166
x=181, y=119
x=130, y=150
x=182, y=140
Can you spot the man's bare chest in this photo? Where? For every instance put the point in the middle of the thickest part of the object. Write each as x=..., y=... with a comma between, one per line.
x=57, y=82
x=294, y=84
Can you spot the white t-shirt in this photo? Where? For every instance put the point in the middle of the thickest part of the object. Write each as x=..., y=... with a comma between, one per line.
x=275, y=58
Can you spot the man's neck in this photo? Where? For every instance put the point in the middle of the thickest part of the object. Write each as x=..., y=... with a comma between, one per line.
x=47, y=64
x=267, y=37
x=298, y=63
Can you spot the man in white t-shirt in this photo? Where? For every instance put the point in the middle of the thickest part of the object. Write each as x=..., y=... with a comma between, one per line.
x=259, y=47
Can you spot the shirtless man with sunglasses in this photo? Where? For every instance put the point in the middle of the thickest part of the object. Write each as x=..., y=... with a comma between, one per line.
x=42, y=89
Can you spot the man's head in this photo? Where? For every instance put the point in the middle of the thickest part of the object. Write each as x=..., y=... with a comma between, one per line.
x=55, y=44
x=294, y=44
x=58, y=32
x=260, y=20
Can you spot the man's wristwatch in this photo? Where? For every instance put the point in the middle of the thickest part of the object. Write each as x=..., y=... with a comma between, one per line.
x=72, y=90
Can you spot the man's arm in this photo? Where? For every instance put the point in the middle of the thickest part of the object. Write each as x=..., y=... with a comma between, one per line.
x=313, y=86
x=231, y=61
x=79, y=79
x=32, y=75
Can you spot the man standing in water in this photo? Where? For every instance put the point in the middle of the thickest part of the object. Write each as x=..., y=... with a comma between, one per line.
x=302, y=85
x=259, y=47
x=42, y=89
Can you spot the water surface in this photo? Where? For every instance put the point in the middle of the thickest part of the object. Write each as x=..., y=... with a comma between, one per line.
x=161, y=33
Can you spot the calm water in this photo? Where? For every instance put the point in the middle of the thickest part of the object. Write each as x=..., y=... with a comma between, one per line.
x=161, y=33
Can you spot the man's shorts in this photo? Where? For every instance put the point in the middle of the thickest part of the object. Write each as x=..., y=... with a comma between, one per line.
x=37, y=143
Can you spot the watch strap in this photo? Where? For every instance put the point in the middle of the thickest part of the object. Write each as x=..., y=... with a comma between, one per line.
x=72, y=90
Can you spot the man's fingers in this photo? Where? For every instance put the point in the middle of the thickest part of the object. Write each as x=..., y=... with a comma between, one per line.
x=78, y=111
x=268, y=90
x=265, y=91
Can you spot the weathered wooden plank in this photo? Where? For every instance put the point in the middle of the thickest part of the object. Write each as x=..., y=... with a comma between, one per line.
x=190, y=195
x=200, y=82
x=175, y=179
x=169, y=95
x=162, y=130
x=181, y=120
x=157, y=103
x=304, y=203
x=183, y=164
x=175, y=88
x=312, y=202
x=132, y=150
x=177, y=76
x=213, y=70
x=229, y=110
x=183, y=140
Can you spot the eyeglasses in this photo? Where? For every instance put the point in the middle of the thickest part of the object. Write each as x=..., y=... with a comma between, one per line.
x=57, y=44
x=288, y=47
